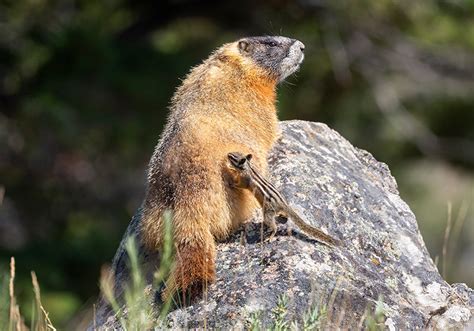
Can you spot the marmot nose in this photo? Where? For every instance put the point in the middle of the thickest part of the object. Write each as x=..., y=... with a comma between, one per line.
x=300, y=45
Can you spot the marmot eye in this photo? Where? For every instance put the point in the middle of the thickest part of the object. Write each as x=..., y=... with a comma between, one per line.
x=272, y=44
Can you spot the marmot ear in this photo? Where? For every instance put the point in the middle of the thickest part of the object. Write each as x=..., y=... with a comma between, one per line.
x=244, y=46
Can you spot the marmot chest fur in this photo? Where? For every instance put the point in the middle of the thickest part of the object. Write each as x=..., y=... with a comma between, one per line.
x=226, y=104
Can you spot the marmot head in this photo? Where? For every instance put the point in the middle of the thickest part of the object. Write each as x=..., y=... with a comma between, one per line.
x=278, y=56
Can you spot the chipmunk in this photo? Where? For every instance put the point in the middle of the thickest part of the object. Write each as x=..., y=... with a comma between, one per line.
x=273, y=204
x=225, y=104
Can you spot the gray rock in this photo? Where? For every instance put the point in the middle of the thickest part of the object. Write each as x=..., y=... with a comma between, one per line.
x=347, y=193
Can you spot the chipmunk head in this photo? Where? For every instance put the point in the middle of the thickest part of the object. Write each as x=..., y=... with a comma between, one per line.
x=278, y=56
x=238, y=159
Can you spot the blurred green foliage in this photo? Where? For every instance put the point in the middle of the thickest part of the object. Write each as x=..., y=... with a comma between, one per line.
x=84, y=87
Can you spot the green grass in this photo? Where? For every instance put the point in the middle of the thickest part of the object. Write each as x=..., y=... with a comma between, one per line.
x=137, y=312
x=375, y=320
x=316, y=318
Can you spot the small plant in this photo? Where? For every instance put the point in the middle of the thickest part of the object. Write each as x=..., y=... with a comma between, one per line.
x=136, y=312
x=279, y=314
x=256, y=321
x=314, y=318
x=375, y=321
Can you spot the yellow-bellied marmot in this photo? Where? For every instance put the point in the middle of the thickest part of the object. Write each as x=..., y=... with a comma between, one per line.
x=224, y=105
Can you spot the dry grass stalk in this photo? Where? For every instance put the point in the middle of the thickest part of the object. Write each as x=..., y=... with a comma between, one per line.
x=44, y=323
x=16, y=322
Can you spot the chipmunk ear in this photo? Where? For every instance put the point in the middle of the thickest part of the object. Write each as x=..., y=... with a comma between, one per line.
x=249, y=157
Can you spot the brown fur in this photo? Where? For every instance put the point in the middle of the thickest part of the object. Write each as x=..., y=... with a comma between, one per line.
x=225, y=104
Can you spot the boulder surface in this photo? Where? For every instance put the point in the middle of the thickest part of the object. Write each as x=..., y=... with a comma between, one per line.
x=381, y=262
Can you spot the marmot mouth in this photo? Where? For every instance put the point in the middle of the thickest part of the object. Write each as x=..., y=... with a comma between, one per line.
x=291, y=63
x=301, y=59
